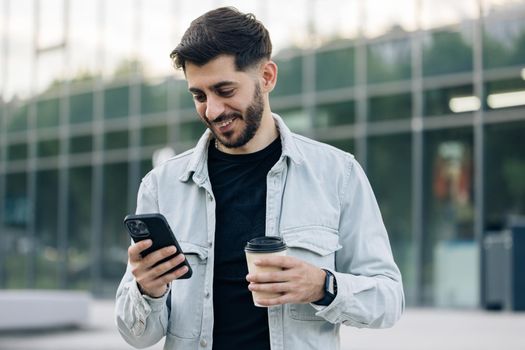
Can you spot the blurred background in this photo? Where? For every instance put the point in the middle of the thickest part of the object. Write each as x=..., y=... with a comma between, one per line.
x=428, y=95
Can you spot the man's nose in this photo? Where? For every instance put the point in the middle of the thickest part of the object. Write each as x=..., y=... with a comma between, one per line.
x=214, y=108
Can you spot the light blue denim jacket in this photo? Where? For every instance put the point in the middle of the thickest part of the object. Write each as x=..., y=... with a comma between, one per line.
x=319, y=200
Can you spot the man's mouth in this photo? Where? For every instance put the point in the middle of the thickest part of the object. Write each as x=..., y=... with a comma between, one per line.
x=225, y=123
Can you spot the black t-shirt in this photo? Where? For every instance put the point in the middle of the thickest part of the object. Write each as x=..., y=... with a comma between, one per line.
x=239, y=186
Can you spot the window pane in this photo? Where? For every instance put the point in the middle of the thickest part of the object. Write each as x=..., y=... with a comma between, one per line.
x=17, y=244
x=81, y=144
x=47, y=113
x=390, y=107
x=17, y=117
x=389, y=61
x=333, y=114
x=115, y=240
x=48, y=148
x=450, y=252
x=394, y=195
x=504, y=172
x=79, y=229
x=81, y=108
x=116, y=139
x=290, y=80
x=296, y=119
x=17, y=151
x=155, y=135
x=439, y=101
x=46, y=223
x=116, y=102
x=191, y=131
x=504, y=42
x=446, y=52
x=335, y=68
x=346, y=145
x=505, y=93
x=154, y=98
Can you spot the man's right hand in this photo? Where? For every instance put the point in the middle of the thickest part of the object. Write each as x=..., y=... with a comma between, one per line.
x=151, y=279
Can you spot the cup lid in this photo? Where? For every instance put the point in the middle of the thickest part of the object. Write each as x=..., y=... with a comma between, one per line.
x=265, y=244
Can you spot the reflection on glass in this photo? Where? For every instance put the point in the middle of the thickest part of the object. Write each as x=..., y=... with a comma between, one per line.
x=505, y=93
x=446, y=52
x=18, y=117
x=290, y=80
x=46, y=223
x=81, y=108
x=504, y=43
x=154, y=98
x=450, y=259
x=48, y=148
x=47, y=113
x=438, y=102
x=333, y=114
x=504, y=172
x=116, y=102
x=116, y=140
x=79, y=229
x=390, y=107
x=154, y=135
x=17, y=151
x=15, y=241
x=394, y=195
x=389, y=61
x=335, y=68
x=115, y=240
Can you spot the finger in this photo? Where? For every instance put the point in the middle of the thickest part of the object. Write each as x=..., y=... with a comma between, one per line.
x=284, y=262
x=279, y=287
x=269, y=277
x=134, y=250
x=161, y=269
x=156, y=256
x=281, y=300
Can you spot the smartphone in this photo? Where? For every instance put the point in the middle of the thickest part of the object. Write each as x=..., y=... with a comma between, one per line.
x=156, y=228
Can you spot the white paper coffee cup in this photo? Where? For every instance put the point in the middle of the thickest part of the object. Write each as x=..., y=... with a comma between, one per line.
x=261, y=247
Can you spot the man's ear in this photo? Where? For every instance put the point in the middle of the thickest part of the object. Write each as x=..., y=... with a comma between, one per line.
x=268, y=71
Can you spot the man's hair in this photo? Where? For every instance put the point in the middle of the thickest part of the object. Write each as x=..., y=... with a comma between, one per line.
x=223, y=31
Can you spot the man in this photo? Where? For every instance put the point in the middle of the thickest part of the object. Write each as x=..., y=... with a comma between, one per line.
x=247, y=177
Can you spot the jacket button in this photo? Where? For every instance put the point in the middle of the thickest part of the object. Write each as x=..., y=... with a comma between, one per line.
x=204, y=343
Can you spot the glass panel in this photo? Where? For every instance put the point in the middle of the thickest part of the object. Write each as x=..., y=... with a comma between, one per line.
x=439, y=101
x=394, y=195
x=504, y=43
x=18, y=117
x=81, y=108
x=115, y=240
x=145, y=167
x=116, y=139
x=290, y=75
x=17, y=151
x=389, y=61
x=16, y=243
x=116, y=102
x=48, y=148
x=333, y=114
x=446, y=52
x=191, y=131
x=450, y=252
x=155, y=135
x=390, y=107
x=346, y=145
x=81, y=144
x=504, y=172
x=79, y=230
x=335, y=68
x=46, y=236
x=184, y=97
x=154, y=98
x=296, y=119
x=507, y=93
x=47, y=113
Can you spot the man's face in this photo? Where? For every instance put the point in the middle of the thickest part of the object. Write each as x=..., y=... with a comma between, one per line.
x=228, y=101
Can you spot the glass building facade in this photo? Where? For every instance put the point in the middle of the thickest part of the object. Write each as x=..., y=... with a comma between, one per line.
x=431, y=103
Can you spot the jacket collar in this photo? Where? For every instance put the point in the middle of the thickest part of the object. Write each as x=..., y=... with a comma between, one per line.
x=197, y=166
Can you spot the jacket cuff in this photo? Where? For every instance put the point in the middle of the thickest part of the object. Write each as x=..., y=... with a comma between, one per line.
x=332, y=313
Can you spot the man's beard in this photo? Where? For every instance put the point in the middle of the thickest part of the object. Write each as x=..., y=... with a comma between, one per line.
x=252, y=121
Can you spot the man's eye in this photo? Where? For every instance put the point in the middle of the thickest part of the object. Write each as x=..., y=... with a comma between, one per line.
x=226, y=93
x=199, y=98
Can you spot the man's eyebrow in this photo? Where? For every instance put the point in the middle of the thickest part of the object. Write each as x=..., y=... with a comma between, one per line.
x=214, y=86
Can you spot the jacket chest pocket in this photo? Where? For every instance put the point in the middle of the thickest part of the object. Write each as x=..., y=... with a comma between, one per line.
x=187, y=295
x=315, y=245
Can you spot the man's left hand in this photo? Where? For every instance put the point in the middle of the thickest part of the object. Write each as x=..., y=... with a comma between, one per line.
x=298, y=283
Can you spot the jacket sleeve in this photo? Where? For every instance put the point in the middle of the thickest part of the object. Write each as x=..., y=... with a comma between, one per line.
x=369, y=287
x=141, y=320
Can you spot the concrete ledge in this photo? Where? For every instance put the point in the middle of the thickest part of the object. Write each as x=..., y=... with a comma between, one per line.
x=43, y=309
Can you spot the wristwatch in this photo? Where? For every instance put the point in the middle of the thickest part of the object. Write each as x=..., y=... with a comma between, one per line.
x=330, y=289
